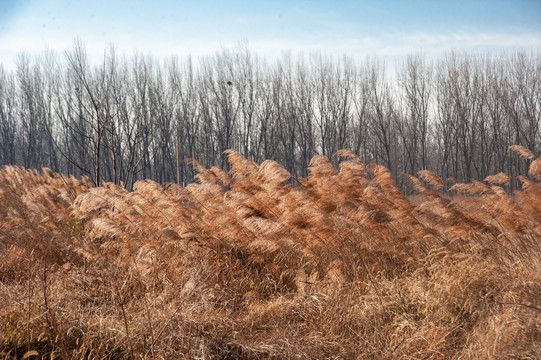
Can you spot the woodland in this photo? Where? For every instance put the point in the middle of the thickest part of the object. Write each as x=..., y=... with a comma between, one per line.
x=132, y=118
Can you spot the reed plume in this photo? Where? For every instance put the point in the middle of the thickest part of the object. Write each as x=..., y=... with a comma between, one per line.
x=251, y=263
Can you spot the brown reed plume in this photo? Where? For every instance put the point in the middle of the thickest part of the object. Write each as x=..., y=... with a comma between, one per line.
x=252, y=264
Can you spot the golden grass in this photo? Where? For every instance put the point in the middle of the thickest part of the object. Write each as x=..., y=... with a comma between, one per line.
x=250, y=265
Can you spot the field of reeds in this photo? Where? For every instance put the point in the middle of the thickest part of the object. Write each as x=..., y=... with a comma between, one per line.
x=252, y=264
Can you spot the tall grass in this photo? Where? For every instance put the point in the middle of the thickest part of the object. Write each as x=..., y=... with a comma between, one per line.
x=252, y=264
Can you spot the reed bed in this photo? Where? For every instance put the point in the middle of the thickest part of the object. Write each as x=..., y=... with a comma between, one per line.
x=253, y=264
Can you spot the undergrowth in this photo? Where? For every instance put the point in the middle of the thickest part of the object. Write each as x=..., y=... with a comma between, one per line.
x=246, y=264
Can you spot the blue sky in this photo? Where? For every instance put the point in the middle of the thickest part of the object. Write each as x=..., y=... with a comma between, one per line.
x=356, y=28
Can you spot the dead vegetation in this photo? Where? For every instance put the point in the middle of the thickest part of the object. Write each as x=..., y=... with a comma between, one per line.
x=252, y=264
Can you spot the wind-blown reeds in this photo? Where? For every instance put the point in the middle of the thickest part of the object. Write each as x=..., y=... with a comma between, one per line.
x=253, y=264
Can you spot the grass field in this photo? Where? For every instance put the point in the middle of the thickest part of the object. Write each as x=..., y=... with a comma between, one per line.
x=251, y=264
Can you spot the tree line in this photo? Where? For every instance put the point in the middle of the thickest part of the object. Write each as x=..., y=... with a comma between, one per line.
x=129, y=118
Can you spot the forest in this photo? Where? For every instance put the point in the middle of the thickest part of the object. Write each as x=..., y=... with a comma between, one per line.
x=129, y=118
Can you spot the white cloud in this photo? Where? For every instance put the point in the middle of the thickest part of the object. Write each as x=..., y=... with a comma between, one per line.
x=402, y=44
x=468, y=41
x=390, y=45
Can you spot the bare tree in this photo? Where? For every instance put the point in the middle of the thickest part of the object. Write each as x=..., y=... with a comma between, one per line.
x=183, y=83
x=287, y=115
x=220, y=102
x=333, y=87
x=8, y=117
x=415, y=79
x=125, y=119
x=381, y=116
x=105, y=124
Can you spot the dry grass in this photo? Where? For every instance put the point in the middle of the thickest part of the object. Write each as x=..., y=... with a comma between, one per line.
x=246, y=265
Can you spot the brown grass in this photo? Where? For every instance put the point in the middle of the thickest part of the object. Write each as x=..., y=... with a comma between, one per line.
x=247, y=265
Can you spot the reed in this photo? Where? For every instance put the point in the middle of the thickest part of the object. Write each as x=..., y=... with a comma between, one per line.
x=253, y=264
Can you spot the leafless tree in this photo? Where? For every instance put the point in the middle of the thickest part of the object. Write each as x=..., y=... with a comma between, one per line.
x=124, y=119
x=414, y=80
x=8, y=117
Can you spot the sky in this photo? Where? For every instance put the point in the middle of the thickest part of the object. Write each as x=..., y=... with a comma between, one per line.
x=161, y=28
